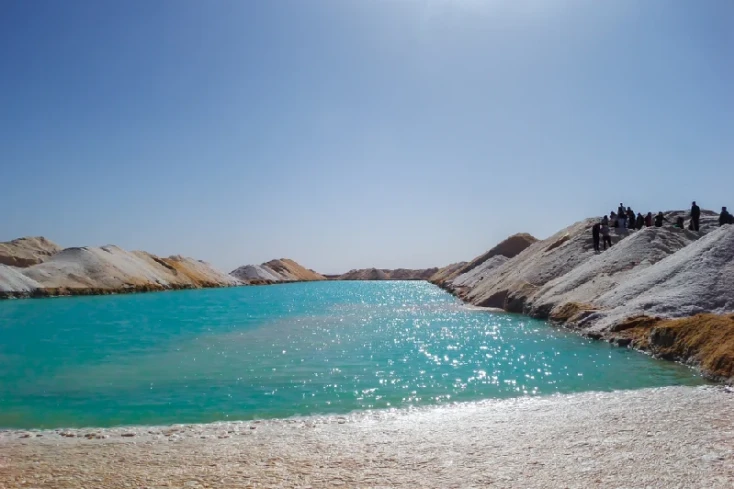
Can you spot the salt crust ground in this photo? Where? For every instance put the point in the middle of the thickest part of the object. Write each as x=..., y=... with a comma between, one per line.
x=676, y=437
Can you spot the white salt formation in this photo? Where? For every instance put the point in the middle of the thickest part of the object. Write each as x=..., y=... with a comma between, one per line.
x=671, y=437
x=256, y=272
x=474, y=276
x=12, y=281
x=664, y=272
x=92, y=270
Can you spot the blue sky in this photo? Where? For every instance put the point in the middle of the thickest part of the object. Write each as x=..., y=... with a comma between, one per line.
x=347, y=134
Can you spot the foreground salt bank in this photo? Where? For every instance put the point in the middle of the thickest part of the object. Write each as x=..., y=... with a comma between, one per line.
x=670, y=437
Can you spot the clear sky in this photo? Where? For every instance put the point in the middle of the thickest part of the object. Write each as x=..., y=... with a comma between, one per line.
x=348, y=134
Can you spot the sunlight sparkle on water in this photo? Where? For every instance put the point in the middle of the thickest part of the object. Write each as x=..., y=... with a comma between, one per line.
x=298, y=349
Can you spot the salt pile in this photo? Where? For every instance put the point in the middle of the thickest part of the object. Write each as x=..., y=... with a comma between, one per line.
x=476, y=275
x=666, y=272
x=12, y=280
x=108, y=269
x=699, y=278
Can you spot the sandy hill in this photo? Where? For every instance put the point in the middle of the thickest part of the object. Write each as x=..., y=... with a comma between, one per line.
x=108, y=269
x=24, y=252
x=655, y=273
x=274, y=271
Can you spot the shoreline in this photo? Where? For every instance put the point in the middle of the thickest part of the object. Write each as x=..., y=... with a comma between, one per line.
x=627, y=438
x=641, y=333
x=52, y=293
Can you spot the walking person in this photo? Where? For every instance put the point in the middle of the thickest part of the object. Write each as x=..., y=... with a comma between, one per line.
x=605, y=232
x=695, y=216
x=595, y=230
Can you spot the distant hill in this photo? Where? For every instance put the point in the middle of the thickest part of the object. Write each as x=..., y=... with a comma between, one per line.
x=387, y=274
x=275, y=271
x=24, y=252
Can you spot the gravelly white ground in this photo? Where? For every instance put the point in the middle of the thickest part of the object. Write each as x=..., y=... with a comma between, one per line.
x=668, y=438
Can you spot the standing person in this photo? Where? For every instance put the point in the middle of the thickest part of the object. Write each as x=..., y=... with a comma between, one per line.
x=630, y=218
x=640, y=221
x=725, y=217
x=605, y=232
x=695, y=216
x=595, y=234
x=648, y=219
x=613, y=218
x=622, y=216
x=659, y=220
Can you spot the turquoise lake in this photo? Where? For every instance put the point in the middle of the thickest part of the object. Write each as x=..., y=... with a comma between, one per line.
x=286, y=350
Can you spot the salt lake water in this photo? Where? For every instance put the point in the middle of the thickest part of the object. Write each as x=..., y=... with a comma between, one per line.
x=286, y=350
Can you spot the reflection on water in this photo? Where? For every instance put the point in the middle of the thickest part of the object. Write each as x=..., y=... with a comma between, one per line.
x=298, y=349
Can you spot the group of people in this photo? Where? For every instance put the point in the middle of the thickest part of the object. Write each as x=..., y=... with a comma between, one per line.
x=625, y=218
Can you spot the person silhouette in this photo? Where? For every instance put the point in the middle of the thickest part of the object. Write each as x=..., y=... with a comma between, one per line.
x=695, y=216
x=605, y=232
x=725, y=217
x=595, y=233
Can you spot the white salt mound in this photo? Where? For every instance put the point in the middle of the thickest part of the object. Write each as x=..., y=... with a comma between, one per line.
x=476, y=275
x=604, y=271
x=666, y=272
x=536, y=265
x=13, y=280
x=111, y=268
x=107, y=267
x=699, y=278
x=255, y=272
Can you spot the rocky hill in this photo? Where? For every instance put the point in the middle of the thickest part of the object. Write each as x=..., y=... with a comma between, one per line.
x=625, y=293
x=102, y=270
x=24, y=252
x=275, y=271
